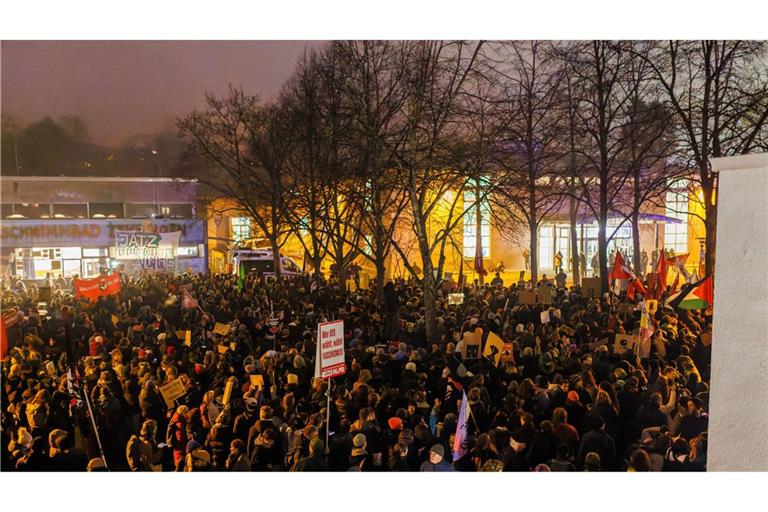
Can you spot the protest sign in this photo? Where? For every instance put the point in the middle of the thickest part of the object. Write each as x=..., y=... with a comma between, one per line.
x=172, y=391
x=221, y=329
x=228, y=391
x=472, y=341
x=527, y=297
x=257, y=381
x=493, y=348
x=544, y=294
x=590, y=287
x=455, y=299
x=188, y=338
x=651, y=305
x=624, y=343
x=330, y=337
x=222, y=348
x=545, y=316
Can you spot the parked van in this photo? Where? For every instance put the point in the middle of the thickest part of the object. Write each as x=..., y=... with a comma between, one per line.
x=260, y=261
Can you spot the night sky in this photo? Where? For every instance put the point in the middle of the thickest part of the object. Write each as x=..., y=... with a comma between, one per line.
x=123, y=88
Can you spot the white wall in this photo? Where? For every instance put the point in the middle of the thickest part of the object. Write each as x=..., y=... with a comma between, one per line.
x=738, y=425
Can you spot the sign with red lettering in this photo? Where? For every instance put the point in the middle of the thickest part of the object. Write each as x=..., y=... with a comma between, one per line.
x=330, y=337
x=97, y=287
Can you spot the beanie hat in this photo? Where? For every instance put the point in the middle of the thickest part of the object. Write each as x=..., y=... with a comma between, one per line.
x=358, y=441
x=395, y=423
x=573, y=396
x=437, y=449
x=193, y=445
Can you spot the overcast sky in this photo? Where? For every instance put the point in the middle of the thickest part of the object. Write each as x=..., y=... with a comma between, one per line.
x=122, y=88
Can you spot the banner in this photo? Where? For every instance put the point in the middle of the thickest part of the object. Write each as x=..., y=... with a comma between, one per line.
x=146, y=251
x=97, y=287
x=330, y=337
x=221, y=329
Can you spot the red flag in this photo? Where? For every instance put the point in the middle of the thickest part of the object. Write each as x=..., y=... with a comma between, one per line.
x=662, y=267
x=706, y=291
x=620, y=269
x=187, y=301
x=97, y=287
x=635, y=286
x=479, y=261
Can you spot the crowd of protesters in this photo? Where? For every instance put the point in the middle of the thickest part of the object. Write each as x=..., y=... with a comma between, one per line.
x=560, y=401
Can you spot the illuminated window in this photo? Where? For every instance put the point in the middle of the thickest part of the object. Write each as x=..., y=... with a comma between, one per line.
x=241, y=228
x=470, y=226
x=546, y=247
x=106, y=210
x=70, y=211
x=676, y=235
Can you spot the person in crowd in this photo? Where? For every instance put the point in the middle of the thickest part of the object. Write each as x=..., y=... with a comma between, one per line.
x=243, y=398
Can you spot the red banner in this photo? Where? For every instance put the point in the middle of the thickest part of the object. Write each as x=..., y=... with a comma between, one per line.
x=97, y=287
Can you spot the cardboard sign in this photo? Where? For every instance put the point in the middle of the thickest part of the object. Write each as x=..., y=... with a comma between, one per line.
x=472, y=341
x=222, y=348
x=172, y=391
x=527, y=297
x=455, y=299
x=227, y=391
x=51, y=369
x=493, y=348
x=257, y=381
x=624, y=343
x=544, y=294
x=221, y=329
x=365, y=280
x=330, y=337
x=545, y=316
x=626, y=308
x=188, y=338
x=590, y=287
x=651, y=305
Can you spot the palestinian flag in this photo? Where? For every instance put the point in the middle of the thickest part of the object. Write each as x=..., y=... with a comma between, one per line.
x=700, y=296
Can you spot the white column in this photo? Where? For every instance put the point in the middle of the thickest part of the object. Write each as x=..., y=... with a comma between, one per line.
x=738, y=417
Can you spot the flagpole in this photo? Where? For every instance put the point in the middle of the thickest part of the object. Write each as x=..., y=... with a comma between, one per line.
x=328, y=414
x=73, y=364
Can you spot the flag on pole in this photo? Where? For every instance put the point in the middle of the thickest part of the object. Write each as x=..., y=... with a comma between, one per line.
x=646, y=331
x=461, y=429
x=699, y=297
x=620, y=269
x=676, y=284
x=187, y=301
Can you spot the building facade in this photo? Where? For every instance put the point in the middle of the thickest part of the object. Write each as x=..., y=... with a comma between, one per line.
x=77, y=225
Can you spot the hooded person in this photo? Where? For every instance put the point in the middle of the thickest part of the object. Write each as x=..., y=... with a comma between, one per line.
x=142, y=452
x=360, y=458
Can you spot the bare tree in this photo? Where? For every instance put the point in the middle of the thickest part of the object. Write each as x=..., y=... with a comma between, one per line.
x=242, y=149
x=424, y=152
x=530, y=76
x=718, y=91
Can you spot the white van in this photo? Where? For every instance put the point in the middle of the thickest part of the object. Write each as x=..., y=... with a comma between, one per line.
x=260, y=261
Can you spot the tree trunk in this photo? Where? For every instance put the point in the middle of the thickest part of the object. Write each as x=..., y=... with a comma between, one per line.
x=710, y=224
x=575, y=266
x=380, y=271
x=276, y=258
x=430, y=305
x=534, y=233
x=478, y=230
x=636, y=242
